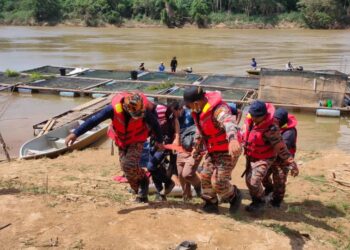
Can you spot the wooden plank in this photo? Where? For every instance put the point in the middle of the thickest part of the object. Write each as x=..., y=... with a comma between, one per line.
x=212, y=87
x=4, y=147
x=88, y=104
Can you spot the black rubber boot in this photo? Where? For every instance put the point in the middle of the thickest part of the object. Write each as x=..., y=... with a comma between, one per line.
x=159, y=197
x=235, y=201
x=142, y=195
x=211, y=208
x=268, y=191
x=256, y=206
x=276, y=202
x=198, y=190
x=168, y=187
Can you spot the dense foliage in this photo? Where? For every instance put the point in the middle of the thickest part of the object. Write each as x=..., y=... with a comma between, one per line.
x=312, y=13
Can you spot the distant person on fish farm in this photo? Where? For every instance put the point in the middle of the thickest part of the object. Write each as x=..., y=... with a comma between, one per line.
x=173, y=64
x=161, y=67
x=132, y=120
x=254, y=64
x=142, y=67
x=289, y=66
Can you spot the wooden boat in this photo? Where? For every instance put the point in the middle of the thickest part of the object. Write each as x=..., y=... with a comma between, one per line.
x=253, y=71
x=53, y=144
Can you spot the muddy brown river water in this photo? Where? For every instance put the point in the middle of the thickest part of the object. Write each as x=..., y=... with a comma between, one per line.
x=205, y=50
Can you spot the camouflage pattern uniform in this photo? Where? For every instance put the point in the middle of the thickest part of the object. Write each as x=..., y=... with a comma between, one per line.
x=129, y=161
x=218, y=166
x=257, y=169
x=279, y=170
x=277, y=185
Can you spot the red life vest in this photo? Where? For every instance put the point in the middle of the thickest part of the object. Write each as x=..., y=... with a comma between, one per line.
x=291, y=124
x=214, y=137
x=253, y=142
x=126, y=133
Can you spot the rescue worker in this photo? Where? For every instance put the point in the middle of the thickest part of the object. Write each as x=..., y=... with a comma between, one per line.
x=216, y=128
x=132, y=119
x=166, y=119
x=186, y=164
x=279, y=170
x=262, y=144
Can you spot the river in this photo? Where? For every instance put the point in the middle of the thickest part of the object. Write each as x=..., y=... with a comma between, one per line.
x=205, y=50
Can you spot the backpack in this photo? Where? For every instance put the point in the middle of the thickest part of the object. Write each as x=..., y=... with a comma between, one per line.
x=187, y=137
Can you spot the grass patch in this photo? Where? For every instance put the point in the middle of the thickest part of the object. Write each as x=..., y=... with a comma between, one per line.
x=160, y=86
x=294, y=209
x=282, y=229
x=105, y=173
x=11, y=73
x=319, y=179
x=120, y=198
x=70, y=178
x=36, y=76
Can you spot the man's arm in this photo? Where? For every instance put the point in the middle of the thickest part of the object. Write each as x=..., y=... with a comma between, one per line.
x=273, y=136
x=152, y=122
x=289, y=138
x=224, y=118
x=104, y=114
x=90, y=123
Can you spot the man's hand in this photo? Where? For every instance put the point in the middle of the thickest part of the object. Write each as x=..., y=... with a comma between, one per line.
x=294, y=170
x=159, y=146
x=234, y=148
x=176, y=140
x=70, y=139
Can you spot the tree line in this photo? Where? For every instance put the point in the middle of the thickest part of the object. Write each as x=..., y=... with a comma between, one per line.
x=176, y=13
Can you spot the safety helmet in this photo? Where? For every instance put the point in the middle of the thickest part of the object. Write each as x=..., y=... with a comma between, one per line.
x=133, y=104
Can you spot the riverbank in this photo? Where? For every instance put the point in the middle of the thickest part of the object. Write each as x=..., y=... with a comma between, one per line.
x=72, y=202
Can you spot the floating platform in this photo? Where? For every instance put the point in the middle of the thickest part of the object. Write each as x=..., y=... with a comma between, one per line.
x=8, y=83
x=48, y=70
x=106, y=74
x=231, y=81
x=146, y=87
x=62, y=84
x=170, y=77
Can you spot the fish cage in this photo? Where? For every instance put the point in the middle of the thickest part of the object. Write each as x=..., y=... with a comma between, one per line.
x=308, y=88
x=146, y=87
x=106, y=74
x=169, y=77
x=49, y=70
x=231, y=81
x=10, y=80
x=74, y=85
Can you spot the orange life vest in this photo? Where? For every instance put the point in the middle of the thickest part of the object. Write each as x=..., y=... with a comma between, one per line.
x=291, y=124
x=253, y=142
x=125, y=132
x=214, y=137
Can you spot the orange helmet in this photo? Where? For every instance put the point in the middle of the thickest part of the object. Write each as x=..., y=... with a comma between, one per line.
x=133, y=104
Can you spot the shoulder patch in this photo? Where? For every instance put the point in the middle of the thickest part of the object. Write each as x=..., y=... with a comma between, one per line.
x=206, y=107
x=118, y=108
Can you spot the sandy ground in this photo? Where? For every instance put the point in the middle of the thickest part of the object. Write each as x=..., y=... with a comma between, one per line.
x=71, y=202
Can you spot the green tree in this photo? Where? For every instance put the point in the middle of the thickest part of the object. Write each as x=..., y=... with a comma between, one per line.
x=321, y=13
x=199, y=12
x=46, y=10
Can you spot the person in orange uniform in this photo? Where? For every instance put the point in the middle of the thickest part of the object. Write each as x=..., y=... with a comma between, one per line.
x=132, y=119
x=217, y=130
x=262, y=144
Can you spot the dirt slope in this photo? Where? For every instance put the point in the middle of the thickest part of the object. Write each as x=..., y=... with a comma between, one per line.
x=72, y=203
